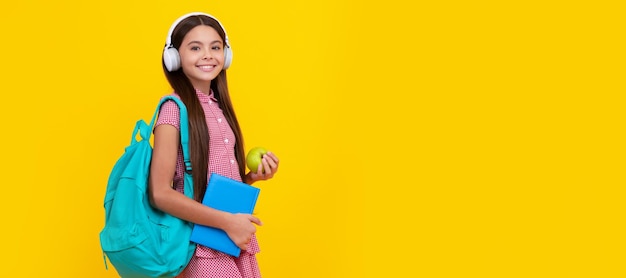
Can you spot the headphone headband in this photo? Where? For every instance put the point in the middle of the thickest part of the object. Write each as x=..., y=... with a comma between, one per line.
x=168, y=40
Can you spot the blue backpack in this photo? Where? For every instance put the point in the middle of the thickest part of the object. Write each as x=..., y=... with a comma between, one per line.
x=139, y=240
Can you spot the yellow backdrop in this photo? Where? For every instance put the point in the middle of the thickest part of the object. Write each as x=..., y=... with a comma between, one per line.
x=443, y=139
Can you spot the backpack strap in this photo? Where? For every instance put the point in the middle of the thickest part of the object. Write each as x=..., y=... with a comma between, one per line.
x=184, y=135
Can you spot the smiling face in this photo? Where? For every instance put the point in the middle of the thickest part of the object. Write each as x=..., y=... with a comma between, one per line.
x=202, y=56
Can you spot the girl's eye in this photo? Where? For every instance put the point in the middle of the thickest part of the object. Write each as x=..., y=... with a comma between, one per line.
x=195, y=48
x=217, y=47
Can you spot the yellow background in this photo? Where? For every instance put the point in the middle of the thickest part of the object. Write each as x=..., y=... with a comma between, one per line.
x=433, y=139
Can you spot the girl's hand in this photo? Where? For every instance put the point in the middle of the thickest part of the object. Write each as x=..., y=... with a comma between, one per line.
x=267, y=168
x=240, y=229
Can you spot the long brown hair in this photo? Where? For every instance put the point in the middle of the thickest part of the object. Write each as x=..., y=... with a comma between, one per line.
x=198, y=132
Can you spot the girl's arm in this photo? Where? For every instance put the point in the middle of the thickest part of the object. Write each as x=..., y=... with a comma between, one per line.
x=239, y=227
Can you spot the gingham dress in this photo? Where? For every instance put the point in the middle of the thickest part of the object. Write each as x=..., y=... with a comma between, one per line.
x=207, y=262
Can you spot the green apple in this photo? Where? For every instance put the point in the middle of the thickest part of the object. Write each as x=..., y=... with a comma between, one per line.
x=253, y=159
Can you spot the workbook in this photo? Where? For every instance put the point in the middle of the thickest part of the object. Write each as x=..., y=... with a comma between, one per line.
x=228, y=195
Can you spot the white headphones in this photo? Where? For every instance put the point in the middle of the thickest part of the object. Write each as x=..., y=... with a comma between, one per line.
x=171, y=58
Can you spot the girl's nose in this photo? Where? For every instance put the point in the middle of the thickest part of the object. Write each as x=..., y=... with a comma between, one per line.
x=207, y=55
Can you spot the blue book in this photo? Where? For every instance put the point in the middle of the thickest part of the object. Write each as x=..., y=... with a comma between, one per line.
x=228, y=195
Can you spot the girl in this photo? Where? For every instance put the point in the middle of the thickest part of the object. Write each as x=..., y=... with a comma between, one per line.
x=195, y=60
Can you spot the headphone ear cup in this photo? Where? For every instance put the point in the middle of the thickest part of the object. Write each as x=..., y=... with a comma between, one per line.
x=171, y=59
x=228, y=57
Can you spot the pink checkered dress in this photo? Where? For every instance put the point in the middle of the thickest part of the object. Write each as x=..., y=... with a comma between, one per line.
x=207, y=262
